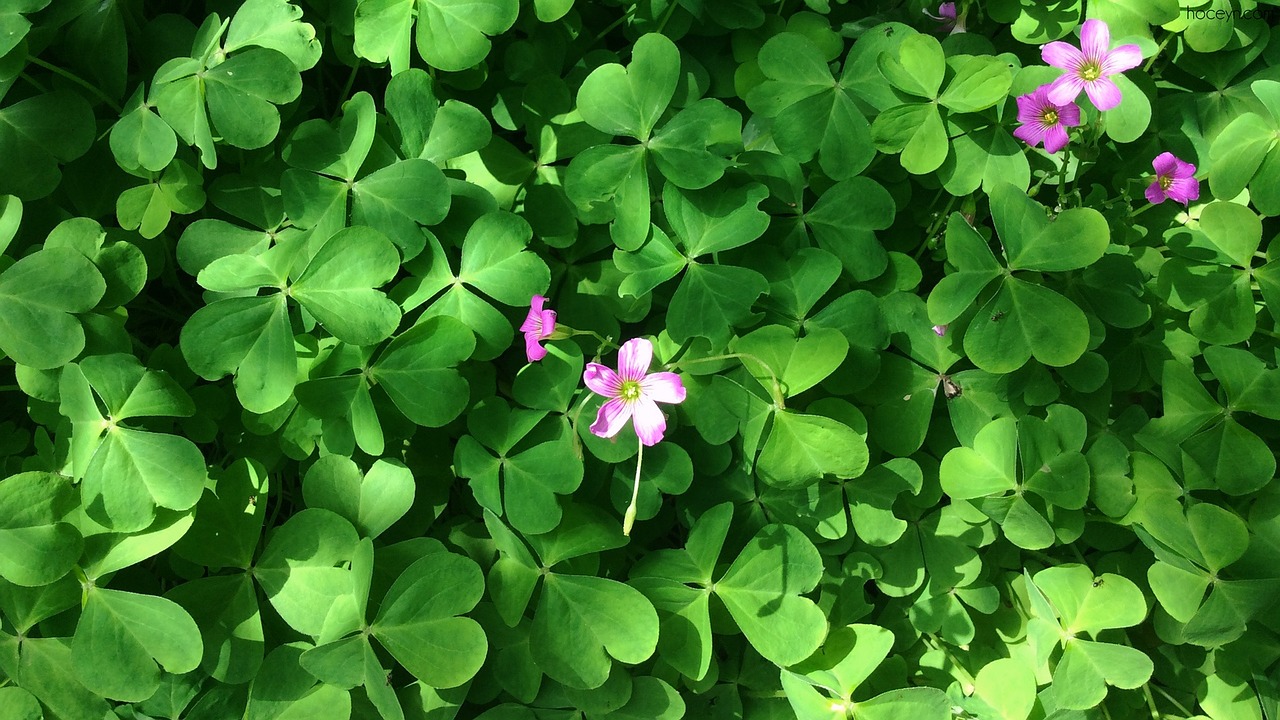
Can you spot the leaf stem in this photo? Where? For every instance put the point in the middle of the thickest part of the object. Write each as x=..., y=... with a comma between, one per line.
x=775, y=391
x=629, y=520
x=667, y=15
x=346, y=88
x=1152, y=60
x=1185, y=712
x=77, y=80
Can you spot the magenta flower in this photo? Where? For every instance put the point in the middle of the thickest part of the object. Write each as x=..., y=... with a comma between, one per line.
x=1044, y=121
x=1174, y=179
x=940, y=330
x=948, y=17
x=537, y=327
x=633, y=393
x=1091, y=67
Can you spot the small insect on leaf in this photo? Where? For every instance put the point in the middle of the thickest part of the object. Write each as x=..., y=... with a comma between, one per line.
x=950, y=388
x=998, y=316
x=1097, y=582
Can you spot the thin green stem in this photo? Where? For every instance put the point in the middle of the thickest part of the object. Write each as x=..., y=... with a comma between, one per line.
x=1151, y=702
x=776, y=390
x=1152, y=60
x=604, y=341
x=573, y=425
x=346, y=88
x=612, y=26
x=1180, y=707
x=1062, y=176
x=1139, y=211
x=10, y=388
x=629, y=519
x=667, y=15
x=75, y=79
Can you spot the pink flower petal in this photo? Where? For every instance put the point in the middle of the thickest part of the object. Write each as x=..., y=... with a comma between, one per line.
x=547, y=323
x=1031, y=134
x=1030, y=108
x=1103, y=93
x=1095, y=40
x=634, y=358
x=533, y=321
x=1069, y=114
x=1154, y=194
x=1055, y=138
x=1184, y=190
x=1062, y=55
x=601, y=380
x=1183, y=169
x=1125, y=57
x=1065, y=89
x=663, y=387
x=532, y=350
x=611, y=418
x=947, y=10
x=1165, y=164
x=649, y=422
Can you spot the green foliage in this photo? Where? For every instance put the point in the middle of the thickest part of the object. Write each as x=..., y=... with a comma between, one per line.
x=969, y=429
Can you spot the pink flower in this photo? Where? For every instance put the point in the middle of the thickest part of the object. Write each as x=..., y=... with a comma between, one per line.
x=948, y=17
x=1174, y=179
x=940, y=330
x=633, y=393
x=537, y=327
x=1090, y=68
x=1044, y=121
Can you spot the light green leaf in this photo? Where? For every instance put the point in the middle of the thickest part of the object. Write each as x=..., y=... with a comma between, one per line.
x=581, y=622
x=801, y=449
x=38, y=294
x=417, y=370
x=36, y=546
x=301, y=570
x=716, y=219
x=417, y=620
x=452, y=33
x=274, y=24
x=629, y=101
x=762, y=590
x=123, y=640
x=337, y=286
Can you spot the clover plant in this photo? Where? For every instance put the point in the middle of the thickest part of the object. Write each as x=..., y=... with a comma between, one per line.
x=621, y=360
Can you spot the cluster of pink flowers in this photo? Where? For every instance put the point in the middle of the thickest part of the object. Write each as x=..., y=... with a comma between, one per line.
x=633, y=392
x=1045, y=113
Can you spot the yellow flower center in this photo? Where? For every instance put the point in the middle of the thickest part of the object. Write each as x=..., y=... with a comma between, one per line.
x=1090, y=72
x=630, y=390
x=1050, y=117
x=1165, y=182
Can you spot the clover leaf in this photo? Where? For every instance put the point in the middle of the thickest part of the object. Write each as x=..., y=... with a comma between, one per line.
x=38, y=296
x=36, y=136
x=496, y=261
x=1022, y=319
x=128, y=473
x=812, y=112
x=39, y=546
x=1246, y=152
x=1076, y=602
x=123, y=640
x=581, y=623
x=251, y=336
x=531, y=478
x=1212, y=278
x=451, y=34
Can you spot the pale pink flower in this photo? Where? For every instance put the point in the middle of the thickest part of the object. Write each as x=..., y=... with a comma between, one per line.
x=1175, y=179
x=1090, y=67
x=537, y=327
x=1043, y=121
x=633, y=393
x=940, y=330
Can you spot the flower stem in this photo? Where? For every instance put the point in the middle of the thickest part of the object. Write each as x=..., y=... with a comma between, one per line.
x=1139, y=211
x=604, y=341
x=75, y=79
x=629, y=519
